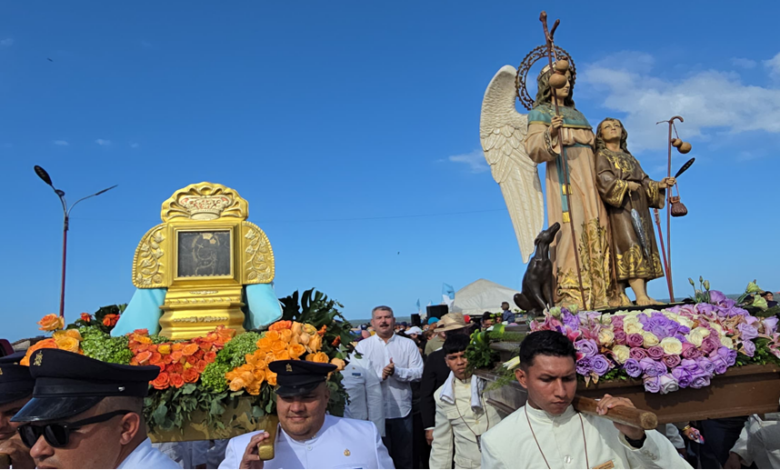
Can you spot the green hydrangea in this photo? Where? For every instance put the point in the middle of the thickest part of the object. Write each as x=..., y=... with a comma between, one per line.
x=234, y=351
x=213, y=377
x=101, y=346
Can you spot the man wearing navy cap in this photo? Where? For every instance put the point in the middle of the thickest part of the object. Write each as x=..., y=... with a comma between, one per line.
x=86, y=413
x=16, y=387
x=308, y=437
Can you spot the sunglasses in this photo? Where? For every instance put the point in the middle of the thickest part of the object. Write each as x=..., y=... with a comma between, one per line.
x=58, y=434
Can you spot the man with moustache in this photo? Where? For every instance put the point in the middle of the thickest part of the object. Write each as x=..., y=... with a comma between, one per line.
x=307, y=437
x=548, y=433
x=397, y=361
x=85, y=413
x=16, y=388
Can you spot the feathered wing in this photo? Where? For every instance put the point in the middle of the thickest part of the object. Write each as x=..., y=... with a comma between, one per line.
x=502, y=131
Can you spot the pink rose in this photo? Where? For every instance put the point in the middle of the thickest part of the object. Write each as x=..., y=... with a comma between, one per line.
x=671, y=361
x=635, y=340
x=689, y=351
x=637, y=354
x=655, y=353
x=620, y=337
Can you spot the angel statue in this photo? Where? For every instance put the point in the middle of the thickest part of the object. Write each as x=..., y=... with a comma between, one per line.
x=515, y=144
x=629, y=194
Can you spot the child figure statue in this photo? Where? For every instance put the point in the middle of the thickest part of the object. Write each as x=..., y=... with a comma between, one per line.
x=628, y=194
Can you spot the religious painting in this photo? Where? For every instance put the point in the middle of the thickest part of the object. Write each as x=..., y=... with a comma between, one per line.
x=204, y=253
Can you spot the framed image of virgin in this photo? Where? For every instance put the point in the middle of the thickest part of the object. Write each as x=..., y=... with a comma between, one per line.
x=204, y=253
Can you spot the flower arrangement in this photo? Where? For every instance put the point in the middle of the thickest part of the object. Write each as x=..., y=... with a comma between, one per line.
x=679, y=347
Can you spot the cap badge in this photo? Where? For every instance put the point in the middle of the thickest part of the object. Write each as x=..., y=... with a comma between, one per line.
x=38, y=359
x=347, y=453
x=289, y=368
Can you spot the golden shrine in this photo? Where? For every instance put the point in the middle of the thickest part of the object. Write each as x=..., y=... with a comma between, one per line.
x=203, y=253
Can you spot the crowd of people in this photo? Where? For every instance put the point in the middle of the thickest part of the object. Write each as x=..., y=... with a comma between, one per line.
x=413, y=403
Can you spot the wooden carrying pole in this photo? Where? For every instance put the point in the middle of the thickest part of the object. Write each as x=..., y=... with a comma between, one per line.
x=567, y=184
x=642, y=419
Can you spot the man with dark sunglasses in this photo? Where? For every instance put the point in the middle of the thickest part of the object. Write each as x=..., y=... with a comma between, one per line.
x=16, y=387
x=87, y=413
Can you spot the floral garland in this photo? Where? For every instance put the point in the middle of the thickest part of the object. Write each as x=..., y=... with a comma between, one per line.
x=679, y=347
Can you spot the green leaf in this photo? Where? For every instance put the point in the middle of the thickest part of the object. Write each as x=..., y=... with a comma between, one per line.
x=188, y=389
x=160, y=413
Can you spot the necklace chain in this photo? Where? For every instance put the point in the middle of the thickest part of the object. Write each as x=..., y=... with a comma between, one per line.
x=584, y=441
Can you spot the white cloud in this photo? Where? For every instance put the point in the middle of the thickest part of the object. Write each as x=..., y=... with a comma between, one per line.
x=743, y=63
x=773, y=65
x=134, y=145
x=63, y=143
x=475, y=160
x=7, y=42
x=712, y=102
x=103, y=142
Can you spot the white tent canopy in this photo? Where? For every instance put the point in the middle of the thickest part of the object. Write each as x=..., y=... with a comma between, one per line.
x=482, y=296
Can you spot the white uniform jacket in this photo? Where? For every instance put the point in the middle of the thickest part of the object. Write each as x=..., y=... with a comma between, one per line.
x=365, y=393
x=759, y=441
x=340, y=443
x=144, y=456
x=511, y=444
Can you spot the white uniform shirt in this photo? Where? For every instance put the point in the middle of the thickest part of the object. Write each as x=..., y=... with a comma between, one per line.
x=144, y=456
x=512, y=445
x=340, y=443
x=459, y=422
x=365, y=393
x=759, y=441
x=396, y=391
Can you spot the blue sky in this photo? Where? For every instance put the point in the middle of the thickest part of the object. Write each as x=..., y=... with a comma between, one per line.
x=352, y=129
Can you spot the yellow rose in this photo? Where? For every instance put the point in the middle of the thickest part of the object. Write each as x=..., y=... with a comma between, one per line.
x=310, y=357
x=286, y=335
x=297, y=328
x=296, y=351
x=320, y=357
x=338, y=363
x=621, y=353
x=309, y=329
x=236, y=384
x=726, y=341
x=69, y=333
x=606, y=337
x=51, y=322
x=650, y=339
x=67, y=343
x=632, y=328
x=304, y=338
x=164, y=348
x=703, y=331
x=695, y=337
x=315, y=343
x=606, y=319
x=671, y=346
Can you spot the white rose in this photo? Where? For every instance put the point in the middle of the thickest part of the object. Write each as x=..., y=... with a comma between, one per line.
x=606, y=319
x=703, y=331
x=671, y=316
x=621, y=353
x=695, y=337
x=671, y=346
x=717, y=328
x=650, y=339
x=633, y=327
x=726, y=341
x=606, y=337
x=684, y=321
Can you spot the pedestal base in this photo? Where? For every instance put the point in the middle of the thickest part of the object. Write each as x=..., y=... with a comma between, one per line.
x=191, y=313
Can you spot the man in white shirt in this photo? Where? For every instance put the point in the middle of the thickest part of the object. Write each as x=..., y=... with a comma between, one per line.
x=462, y=413
x=397, y=361
x=307, y=437
x=548, y=433
x=365, y=392
x=759, y=443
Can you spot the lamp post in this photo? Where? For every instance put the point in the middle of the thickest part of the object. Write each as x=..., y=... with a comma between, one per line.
x=66, y=224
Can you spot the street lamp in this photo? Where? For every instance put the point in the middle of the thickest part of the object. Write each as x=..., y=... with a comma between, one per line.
x=66, y=224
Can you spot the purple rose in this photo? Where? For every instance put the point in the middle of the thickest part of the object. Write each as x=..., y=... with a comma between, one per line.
x=729, y=355
x=633, y=368
x=668, y=384
x=770, y=325
x=652, y=368
x=711, y=343
x=642, y=317
x=583, y=366
x=682, y=330
x=671, y=361
x=617, y=322
x=637, y=354
x=683, y=376
x=572, y=321
x=717, y=297
x=689, y=351
x=705, y=309
x=700, y=382
x=721, y=366
x=620, y=337
x=635, y=340
x=652, y=384
x=691, y=366
x=749, y=348
x=748, y=331
x=588, y=347
x=655, y=353
x=599, y=364
x=706, y=365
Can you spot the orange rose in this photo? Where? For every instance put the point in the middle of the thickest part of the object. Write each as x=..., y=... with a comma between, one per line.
x=278, y=347
x=190, y=376
x=143, y=357
x=283, y=356
x=86, y=317
x=51, y=322
x=201, y=366
x=161, y=382
x=269, y=358
x=68, y=333
x=204, y=345
x=110, y=319
x=164, y=348
x=270, y=377
x=47, y=343
x=315, y=343
x=190, y=349
x=177, y=346
x=338, y=363
x=280, y=325
x=285, y=335
x=321, y=357
x=259, y=375
x=264, y=343
x=296, y=351
x=143, y=340
x=176, y=380
x=66, y=343
x=191, y=360
x=156, y=359
x=310, y=357
x=225, y=334
x=297, y=329
x=176, y=356
x=210, y=357
x=236, y=384
x=141, y=331
x=272, y=335
x=253, y=388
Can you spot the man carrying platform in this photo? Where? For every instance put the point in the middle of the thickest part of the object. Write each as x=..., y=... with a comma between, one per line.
x=308, y=437
x=86, y=413
x=16, y=388
x=548, y=433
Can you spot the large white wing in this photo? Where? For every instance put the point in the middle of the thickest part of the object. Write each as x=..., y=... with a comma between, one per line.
x=502, y=131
